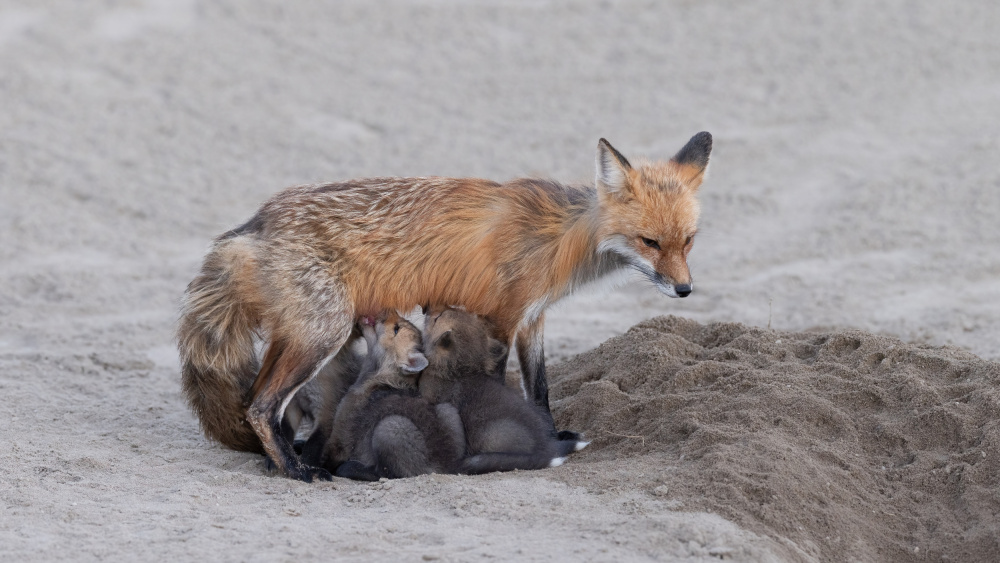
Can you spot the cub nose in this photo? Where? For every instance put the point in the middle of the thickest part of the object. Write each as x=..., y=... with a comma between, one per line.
x=683, y=290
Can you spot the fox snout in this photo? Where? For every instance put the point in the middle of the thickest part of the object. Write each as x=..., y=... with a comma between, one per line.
x=672, y=275
x=673, y=289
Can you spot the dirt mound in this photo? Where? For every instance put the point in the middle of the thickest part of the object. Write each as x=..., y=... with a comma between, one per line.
x=842, y=445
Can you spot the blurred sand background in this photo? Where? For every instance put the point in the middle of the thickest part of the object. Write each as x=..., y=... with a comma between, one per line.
x=854, y=185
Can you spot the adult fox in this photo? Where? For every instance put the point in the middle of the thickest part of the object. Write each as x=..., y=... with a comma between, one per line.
x=315, y=258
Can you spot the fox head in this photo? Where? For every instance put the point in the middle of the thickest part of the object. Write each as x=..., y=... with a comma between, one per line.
x=461, y=342
x=392, y=338
x=649, y=211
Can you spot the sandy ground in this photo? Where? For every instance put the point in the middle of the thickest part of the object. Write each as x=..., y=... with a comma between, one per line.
x=849, y=224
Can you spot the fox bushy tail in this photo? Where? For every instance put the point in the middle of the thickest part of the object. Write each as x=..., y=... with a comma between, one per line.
x=216, y=334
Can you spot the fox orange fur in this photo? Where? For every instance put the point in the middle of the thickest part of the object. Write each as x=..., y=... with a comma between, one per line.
x=314, y=258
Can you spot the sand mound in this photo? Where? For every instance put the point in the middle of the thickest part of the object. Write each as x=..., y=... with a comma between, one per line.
x=842, y=445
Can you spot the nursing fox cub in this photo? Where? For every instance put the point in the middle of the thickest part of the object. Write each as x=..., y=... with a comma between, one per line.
x=454, y=417
x=315, y=258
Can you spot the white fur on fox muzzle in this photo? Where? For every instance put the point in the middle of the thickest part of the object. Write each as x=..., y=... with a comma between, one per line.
x=666, y=288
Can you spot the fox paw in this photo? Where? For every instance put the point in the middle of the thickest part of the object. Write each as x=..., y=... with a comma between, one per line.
x=556, y=462
x=356, y=470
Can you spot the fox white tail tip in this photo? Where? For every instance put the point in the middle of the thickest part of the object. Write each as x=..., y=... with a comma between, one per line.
x=580, y=445
x=557, y=461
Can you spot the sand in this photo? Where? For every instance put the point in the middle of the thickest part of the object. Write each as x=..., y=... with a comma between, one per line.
x=850, y=213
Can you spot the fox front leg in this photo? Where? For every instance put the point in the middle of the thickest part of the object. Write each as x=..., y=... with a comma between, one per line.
x=531, y=355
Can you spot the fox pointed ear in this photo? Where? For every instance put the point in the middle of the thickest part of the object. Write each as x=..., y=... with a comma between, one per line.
x=444, y=341
x=497, y=363
x=612, y=170
x=692, y=160
x=415, y=363
x=497, y=349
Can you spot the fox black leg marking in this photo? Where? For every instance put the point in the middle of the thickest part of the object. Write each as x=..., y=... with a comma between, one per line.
x=312, y=450
x=531, y=355
x=289, y=372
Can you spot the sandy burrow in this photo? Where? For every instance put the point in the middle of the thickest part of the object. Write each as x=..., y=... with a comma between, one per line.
x=853, y=184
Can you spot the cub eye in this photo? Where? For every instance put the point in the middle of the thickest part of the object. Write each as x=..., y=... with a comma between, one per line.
x=395, y=329
x=688, y=240
x=650, y=243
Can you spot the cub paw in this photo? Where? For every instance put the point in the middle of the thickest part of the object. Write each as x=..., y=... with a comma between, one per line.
x=569, y=435
x=308, y=474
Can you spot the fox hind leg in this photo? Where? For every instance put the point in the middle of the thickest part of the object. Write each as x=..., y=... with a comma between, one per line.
x=299, y=350
x=292, y=370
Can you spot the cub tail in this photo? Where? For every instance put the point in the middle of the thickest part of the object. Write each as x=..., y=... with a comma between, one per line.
x=566, y=447
x=499, y=461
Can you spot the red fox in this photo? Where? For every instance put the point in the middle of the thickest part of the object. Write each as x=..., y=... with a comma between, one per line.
x=314, y=258
x=503, y=432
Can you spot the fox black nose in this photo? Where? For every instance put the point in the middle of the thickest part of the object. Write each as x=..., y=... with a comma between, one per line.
x=683, y=290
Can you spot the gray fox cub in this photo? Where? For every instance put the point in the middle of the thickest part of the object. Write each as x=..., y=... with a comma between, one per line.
x=503, y=431
x=382, y=427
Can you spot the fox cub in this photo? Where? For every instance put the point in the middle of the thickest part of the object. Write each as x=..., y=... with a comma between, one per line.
x=503, y=432
x=382, y=427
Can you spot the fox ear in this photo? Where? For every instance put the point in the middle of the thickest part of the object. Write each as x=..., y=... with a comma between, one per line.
x=692, y=160
x=415, y=363
x=444, y=341
x=612, y=168
x=497, y=349
x=496, y=363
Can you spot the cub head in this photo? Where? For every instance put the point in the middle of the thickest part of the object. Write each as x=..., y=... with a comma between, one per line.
x=391, y=338
x=459, y=342
x=649, y=211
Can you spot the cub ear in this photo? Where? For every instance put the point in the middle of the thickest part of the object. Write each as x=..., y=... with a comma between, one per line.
x=496, y=363
x=692, y=160
x=612, y=170
x=415, y=363
x=445, y=341
x=497, y=349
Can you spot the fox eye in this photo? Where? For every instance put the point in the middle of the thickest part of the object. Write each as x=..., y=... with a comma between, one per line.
x=688, y=240
x=650, y=243
x=395, y=328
